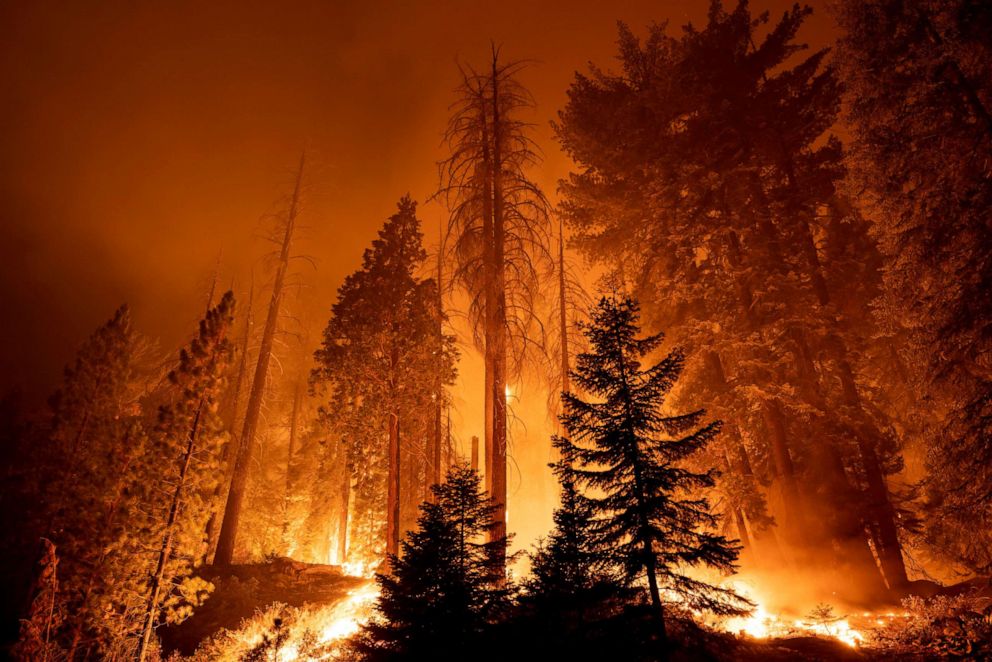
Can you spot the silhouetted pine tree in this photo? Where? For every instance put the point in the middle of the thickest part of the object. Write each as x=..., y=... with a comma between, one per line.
x=97, y=435
x=628, y=460
x=568, y=574
x=445, y=588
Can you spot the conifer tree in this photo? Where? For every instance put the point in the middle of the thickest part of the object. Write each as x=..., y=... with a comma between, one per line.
x=499, y=223
x=569, y=575
x=629, y=460
x=97, y=438
x=917, y=78
x=701, y=163
x=379, y=367
x=444, y=590
x=179, y=481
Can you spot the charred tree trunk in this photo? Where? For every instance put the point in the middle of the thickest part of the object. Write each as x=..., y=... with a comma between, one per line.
x=343, y=515
x=294, y=423
x=239, y=479
x=393, y=488
x=165, y=551
x=434, y=457
x=230, y=448
x=489, y=292
x=475, y=454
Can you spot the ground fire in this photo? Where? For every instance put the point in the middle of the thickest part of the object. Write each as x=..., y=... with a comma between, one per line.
x=378, y=331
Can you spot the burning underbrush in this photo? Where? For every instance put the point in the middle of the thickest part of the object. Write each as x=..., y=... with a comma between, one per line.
x=957, y=624
x=281, y=610
x=285, y=634
x=301, y=612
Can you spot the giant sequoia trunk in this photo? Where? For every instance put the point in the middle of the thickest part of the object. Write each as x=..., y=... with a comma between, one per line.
x=246, y=444
x=393, y=488
x=889, y=550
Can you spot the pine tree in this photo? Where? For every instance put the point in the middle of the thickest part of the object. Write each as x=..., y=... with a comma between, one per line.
x=499, y=222
x=180, y=478
x=569, y=575
x=379, y=367
x=705, y=168
x=36, y=642
x=97, y=438
x=444, y=590
x=629, y=461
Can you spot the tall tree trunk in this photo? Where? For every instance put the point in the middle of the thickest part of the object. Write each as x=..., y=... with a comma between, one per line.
x=165, y=551
x=890, y=554
x=343, y=515
x=498, y=532
x=393, y=488
x=434, y=458
x=246, y=445
x=489, y=293
x=294, y=423
x=230, y=448
x=566, y=386
x=475, y=453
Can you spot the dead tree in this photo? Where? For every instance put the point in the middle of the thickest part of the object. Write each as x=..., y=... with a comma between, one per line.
x=239, y=479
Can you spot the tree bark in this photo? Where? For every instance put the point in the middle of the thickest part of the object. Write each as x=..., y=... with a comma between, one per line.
x=165, y=551
x=288, y=488
x=393, y=488
x=343, y=515
x=239, y=480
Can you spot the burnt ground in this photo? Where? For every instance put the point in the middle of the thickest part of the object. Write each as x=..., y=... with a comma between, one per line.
x=240, y=591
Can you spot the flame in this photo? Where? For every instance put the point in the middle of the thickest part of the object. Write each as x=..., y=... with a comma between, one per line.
x=761, y=624
x=350, y=614
x=358, y=569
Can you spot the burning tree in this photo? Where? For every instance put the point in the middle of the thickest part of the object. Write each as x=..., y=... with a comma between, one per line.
x=499, y=226
x=629, y=459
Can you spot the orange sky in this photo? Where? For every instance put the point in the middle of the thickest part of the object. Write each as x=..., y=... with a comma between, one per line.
x=137, y=140
x=140, y=139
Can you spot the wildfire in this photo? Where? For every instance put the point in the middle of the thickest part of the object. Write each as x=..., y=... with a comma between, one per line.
x=358, y=569
x=349, y=614
x=761, y=624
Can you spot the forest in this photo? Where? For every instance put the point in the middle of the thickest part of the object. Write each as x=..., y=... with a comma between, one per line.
x=717, y=388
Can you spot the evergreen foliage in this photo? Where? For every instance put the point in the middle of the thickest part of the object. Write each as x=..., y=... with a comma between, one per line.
x=443, y=591
x=920, y=113
x=629, y=461
x=381, y=355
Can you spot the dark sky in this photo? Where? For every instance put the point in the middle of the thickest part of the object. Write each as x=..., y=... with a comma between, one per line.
x=139, y=139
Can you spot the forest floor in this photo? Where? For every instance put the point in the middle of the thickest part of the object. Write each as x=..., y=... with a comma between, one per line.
x=242, y=591
x=249, y=602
